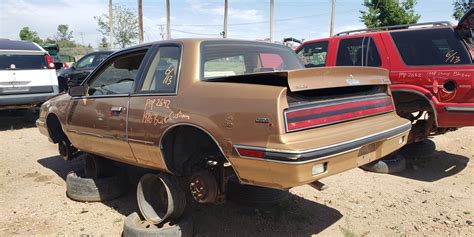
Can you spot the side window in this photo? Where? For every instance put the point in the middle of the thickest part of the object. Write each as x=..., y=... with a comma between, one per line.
x=117, y=76
x=224, y=66
x=270, y=62
x=431, y=47
x=98, y=59
x=85, y=62
x=163, y=73
x=358, y=52
x=315, y=53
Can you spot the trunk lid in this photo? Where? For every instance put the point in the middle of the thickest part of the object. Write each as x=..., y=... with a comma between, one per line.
x=465, y=28
x=332, y=77
x=313, y=78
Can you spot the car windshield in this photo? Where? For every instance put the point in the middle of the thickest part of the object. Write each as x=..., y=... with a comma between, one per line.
x=233, y=58
x=16, y=61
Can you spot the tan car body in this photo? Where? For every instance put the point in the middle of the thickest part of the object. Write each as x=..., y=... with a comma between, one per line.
x=227, y=112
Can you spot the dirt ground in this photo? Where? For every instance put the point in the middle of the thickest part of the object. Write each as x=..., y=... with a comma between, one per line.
x=433, y=197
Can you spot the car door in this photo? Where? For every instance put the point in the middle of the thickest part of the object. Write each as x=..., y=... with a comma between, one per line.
x=155, y=105
x=435, y=58
x=98, y=120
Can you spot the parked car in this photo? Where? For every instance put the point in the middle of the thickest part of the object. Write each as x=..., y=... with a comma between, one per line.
x=53, y=50
x=213, y=109
x=78, y=71
x=27, y=75
x=430, y=68
x=67, y=60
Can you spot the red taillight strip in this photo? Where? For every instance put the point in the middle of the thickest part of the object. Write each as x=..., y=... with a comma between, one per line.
x=324, y=115
x=338, y=118
x=341, y=106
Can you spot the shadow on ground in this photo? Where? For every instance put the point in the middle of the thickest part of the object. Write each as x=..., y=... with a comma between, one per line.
x=17, y=119
x=295, y=216
x=439, y=165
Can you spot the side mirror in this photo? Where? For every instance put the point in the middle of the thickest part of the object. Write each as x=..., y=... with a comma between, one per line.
x=77, y=91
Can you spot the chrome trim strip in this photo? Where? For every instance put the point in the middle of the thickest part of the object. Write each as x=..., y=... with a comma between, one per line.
x=141, y=141
x=321, y=148
x=459, y=109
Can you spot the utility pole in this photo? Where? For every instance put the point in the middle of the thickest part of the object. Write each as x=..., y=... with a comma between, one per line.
x=226, y=6
x=333, y=13
x=162, y=32
x=82, y=37
x=140, y=22
x=272, y=5
x=168, y=30
x=111, y=25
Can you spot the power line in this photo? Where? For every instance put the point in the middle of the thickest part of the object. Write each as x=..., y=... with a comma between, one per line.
x=261, y=22
x=194, y=33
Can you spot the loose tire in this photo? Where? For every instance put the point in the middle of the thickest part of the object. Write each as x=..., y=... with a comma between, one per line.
x=133, y=226
x=424, y=149
x=160, y=198
x=97, y=167
x=394, y=163
x=254, y=196
x=95, y=190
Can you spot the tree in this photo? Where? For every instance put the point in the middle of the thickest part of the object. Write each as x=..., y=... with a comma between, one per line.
x=461, y=7
x=27, y=34
x=103, y=43
x=125, y=26
x=63, y=33
x=389, y=12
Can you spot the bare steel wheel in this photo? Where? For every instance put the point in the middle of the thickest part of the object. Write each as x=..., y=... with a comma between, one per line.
x=160, y=198
x=203, y=187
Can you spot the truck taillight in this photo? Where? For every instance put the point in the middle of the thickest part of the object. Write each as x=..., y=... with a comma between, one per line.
x=49, y=61
x=330, y=113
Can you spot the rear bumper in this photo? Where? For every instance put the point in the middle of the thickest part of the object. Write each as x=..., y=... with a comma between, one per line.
x=286, y=169
x=24, y=100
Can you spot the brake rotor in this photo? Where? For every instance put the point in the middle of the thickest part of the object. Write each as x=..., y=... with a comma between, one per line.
x=203, y=187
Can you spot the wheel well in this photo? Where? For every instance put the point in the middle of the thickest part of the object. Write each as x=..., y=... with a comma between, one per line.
x=408, y=102
x=54, y=128
x=185, y=147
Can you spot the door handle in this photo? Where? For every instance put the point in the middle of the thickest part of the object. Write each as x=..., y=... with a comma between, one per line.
x=117, y=109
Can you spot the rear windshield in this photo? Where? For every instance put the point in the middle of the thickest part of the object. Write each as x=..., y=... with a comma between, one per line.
x=25, y=62
x=233, y=58
x=431, y=47
x=315, y=53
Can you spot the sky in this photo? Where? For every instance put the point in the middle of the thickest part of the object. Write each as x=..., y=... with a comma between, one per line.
x=248, y=19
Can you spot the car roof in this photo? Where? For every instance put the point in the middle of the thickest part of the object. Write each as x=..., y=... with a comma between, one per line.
x=194, y=41
x=371, y=32
x=17, y=45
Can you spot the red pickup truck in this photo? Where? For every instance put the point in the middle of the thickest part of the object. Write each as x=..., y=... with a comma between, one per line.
x=431, y=69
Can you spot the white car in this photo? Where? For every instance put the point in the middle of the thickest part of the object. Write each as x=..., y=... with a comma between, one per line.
x=27, y=75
